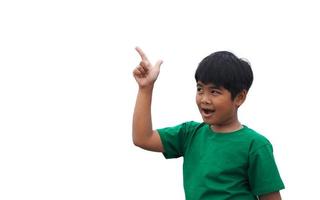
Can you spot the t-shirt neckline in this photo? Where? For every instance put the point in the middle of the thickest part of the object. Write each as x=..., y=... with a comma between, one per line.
x=226, y=133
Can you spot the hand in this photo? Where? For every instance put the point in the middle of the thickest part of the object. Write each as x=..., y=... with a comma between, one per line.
x=146, y=73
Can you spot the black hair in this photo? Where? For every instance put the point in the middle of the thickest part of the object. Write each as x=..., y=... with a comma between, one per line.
x=224, y=69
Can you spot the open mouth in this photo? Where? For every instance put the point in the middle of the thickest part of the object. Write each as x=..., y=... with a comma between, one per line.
x=207, y=112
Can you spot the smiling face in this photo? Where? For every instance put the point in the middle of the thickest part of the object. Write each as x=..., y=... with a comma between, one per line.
x=217, y=107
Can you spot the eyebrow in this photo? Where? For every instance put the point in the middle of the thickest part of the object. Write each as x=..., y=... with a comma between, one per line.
x=211, y=86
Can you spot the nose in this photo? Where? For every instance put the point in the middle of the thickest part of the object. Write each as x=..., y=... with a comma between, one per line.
x=205, y=99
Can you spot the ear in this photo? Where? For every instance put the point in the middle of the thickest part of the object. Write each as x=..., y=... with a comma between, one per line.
x=240, y=98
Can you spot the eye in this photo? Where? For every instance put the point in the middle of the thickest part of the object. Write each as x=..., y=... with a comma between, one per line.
x=215, y=92
x=199, y=89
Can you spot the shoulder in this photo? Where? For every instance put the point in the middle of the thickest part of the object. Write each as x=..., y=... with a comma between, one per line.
x=188, y=126
x=183, y=130
x=175, y=139
x=192, y=125
x=256, y=139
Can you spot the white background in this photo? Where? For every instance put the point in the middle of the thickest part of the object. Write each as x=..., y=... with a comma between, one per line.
x=67, y=91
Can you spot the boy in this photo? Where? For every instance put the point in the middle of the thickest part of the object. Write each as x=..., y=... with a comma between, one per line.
x=223, y=159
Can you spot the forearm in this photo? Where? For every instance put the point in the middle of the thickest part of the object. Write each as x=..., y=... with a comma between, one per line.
x=142, y=122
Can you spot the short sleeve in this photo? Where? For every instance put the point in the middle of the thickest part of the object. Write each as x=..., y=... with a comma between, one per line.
x=174, y=139
x=263, y=173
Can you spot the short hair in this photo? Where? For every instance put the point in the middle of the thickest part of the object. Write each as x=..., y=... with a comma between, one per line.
x=224, y=69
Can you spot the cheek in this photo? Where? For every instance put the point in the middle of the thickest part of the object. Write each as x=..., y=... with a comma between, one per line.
x=198, y=103
x=197, y=100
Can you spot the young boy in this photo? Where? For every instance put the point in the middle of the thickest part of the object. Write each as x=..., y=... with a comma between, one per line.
x=223, y=159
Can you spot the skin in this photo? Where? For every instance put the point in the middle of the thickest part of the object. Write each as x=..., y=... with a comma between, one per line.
x=142, y=133
x=215, y=105
x=271, y=196
x=217, y=108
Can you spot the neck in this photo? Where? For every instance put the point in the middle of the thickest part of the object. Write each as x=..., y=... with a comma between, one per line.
x=227, y=128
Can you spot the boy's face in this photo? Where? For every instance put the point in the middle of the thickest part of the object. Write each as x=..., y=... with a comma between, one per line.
x=216, y=106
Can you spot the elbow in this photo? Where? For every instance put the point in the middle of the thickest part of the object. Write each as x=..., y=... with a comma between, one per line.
x=137, y=142
x=141, y=143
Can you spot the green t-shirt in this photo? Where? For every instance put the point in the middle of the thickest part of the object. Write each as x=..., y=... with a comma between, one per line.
x=237, y=165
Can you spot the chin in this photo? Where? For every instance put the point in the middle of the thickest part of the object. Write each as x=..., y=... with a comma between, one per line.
x=211, y=121
x=207, y=121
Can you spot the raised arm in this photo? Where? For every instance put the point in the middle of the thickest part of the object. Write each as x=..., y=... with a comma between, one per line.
x=142, y=133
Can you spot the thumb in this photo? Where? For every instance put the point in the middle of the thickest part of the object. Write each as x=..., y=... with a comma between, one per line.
x=158, y=64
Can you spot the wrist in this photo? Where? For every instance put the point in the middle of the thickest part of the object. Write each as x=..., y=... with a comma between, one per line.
x=146, y=88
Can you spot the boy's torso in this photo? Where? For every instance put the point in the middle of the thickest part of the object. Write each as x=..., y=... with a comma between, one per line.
x=215, y=164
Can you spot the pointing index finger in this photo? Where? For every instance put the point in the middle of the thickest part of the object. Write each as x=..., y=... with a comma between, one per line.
x=141, y=53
